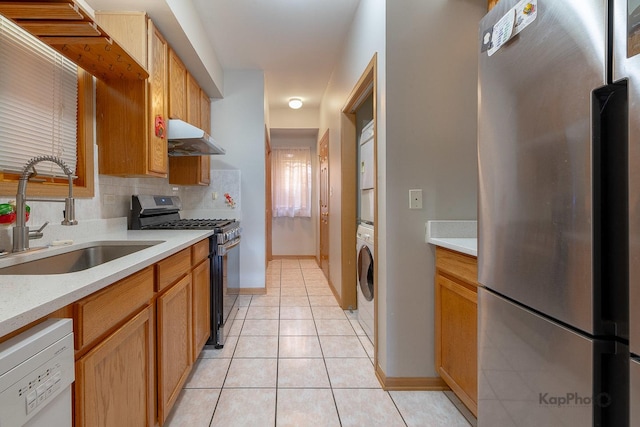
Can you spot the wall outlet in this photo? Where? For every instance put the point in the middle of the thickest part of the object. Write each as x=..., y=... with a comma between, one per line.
x=415, y=199
x=214, y=196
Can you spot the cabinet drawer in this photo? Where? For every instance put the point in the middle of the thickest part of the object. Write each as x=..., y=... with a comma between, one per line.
x=171, y=269
x=460, y=266
x=100, y=312
x=199, y=252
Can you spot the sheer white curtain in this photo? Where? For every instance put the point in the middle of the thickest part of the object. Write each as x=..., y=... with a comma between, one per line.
x=291, y=182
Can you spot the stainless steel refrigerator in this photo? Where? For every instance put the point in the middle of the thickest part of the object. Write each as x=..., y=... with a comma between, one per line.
x=559, y=236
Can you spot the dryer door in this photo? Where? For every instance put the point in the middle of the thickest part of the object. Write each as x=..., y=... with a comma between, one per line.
x=365, y=272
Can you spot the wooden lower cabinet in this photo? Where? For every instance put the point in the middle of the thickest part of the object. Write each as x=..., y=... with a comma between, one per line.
x=456, y=324
x=114, y=380
x=174, y=343
x=201, y=307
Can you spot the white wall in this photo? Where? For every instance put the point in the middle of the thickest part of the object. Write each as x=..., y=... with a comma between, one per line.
x=237, y=123
x=426, y=124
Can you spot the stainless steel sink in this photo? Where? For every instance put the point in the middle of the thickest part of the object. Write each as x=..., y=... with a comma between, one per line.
x=88, y=256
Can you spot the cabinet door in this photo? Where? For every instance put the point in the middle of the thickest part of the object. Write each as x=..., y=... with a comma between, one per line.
x=114, y=381
x=201, y=307
x=177, y=87
x=456, y=338
x=193, y=101
x=158, y=80
x=174, y=343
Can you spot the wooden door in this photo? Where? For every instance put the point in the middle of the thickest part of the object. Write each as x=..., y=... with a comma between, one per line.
x=158, y=77
x=201, y=307
x=174, y=344
x=114, y=381
x=177, y=87
x=324, y=204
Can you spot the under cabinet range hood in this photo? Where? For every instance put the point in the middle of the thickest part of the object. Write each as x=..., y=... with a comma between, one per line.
x=187, y=140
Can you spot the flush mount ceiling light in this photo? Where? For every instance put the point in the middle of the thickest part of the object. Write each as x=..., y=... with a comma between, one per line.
x=295, y=103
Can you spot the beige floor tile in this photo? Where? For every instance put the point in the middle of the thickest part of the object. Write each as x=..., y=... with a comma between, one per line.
x=367, y=345
x=323, y=312
x=306, y=407
x=242, y=312
x=297, y=313
x=427, y=408
x=299, y=346
x=310, y=264
x=193, y=408
x=366, y=407
x=258, y=312
x=297, y=327
x=302, y=373
x=334, y=327
x=294, y=301
x=208, y=373
x=244, y=300
x=315, y=290
x=257, y=346
x=290, y=263
x=355, y=323
x=245, y=408
x=226, y=352
x=351, y=373
x=321, y=300
x=265, y=301
x=342, y=346
x=292, y=283
x=293, y=291
x=272, y=292
x=260, y=327
x=236, y=327
x=252, y=373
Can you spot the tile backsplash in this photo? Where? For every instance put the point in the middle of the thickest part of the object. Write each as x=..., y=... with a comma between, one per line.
x=113, y=200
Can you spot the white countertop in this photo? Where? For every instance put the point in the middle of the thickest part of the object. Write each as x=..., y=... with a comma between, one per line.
x=25, y=298
x=460, y=236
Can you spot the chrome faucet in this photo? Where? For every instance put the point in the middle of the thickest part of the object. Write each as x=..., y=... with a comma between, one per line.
x=21, y=234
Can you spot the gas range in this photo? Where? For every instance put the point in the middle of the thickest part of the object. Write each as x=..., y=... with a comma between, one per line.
x=163, y=213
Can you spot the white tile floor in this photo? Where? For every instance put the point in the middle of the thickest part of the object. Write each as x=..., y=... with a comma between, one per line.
x=294, y=358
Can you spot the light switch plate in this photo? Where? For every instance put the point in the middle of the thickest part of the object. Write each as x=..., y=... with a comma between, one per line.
x=415, y=199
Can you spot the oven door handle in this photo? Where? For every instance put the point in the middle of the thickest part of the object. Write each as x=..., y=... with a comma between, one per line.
x=223, y=249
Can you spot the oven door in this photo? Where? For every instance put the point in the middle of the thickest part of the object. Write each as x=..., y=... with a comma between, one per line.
x=225, y=287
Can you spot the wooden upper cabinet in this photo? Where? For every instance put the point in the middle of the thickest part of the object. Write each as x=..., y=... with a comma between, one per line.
x=129, y=142
x=177, y=87
x=193, y=170
x=193, y=101
x=491, y=4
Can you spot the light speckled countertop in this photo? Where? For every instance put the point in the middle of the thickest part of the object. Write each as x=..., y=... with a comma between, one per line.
x=459, y=236
x=25, y=298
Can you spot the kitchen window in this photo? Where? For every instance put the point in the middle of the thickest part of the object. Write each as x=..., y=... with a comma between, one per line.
x=291, y=180
x=45, y=109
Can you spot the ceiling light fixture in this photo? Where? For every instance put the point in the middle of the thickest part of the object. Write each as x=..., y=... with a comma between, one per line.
x=295, y=103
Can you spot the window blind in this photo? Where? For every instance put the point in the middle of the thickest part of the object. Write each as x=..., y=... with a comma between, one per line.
x=38, y=102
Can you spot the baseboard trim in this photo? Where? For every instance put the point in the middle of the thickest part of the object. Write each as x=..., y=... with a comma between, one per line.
x=248, y=291
x=410, y=383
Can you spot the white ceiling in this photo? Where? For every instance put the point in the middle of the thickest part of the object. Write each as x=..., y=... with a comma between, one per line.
x=295, y=42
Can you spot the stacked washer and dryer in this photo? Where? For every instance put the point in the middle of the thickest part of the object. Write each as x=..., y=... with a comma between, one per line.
x=365, y=232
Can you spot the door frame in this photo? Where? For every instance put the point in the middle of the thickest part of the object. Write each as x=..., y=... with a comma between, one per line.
x=366, y=85
x=268, y=213
x=324, y=140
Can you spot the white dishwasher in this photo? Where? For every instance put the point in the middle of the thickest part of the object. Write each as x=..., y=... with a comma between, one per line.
x=36, y=373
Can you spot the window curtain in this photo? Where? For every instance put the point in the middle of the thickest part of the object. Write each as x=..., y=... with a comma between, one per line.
x=38, y=102
x=291, y=182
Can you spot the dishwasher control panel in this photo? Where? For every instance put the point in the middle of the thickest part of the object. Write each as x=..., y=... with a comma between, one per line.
x=36, y=371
